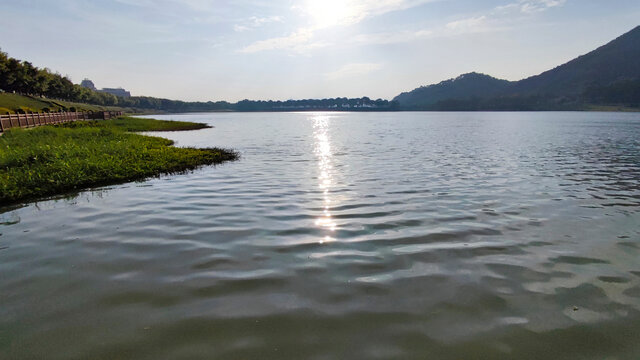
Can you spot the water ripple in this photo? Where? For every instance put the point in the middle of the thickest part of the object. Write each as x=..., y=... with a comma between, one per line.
x=377, y=235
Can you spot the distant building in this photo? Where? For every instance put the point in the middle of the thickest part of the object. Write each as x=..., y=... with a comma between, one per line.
x=86, y=83
x=117, y=92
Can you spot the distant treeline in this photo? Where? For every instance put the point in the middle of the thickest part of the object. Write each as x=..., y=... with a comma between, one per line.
x=336, y=104
x=23, y=78
x=623, y=93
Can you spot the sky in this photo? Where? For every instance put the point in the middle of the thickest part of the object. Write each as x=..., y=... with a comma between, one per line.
x=199, y=50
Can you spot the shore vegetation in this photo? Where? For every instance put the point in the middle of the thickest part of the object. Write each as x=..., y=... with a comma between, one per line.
x=11, y=103
x=52, y=160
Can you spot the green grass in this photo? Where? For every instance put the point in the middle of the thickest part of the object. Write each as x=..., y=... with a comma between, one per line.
x=13, y=103
x=137, y=124
x=51, y=160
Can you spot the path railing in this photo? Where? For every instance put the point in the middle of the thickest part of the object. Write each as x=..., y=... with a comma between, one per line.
x=32, y=120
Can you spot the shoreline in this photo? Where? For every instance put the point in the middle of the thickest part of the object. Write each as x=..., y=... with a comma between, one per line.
x=54, y=160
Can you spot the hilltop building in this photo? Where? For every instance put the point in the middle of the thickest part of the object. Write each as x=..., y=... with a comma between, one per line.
x=86, y=83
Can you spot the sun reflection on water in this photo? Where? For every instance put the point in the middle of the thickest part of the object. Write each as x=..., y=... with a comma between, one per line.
x=325, y=177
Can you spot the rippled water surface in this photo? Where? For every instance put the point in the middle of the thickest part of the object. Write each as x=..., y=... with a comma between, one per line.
x=344, y=236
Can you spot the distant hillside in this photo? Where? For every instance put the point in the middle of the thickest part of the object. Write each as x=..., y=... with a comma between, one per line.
x=464, y=86
x=594, y=78
x=617, y=61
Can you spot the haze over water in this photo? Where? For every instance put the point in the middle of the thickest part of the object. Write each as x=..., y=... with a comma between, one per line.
x=344, y=235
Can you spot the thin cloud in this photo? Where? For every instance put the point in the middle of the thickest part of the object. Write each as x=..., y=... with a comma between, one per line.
x=240, y=28
x=499, y=17
x=533, y=6
x=391, y=37
x=259, y=21
x=353, y=70
x=293, y=41
x=496, y=19
x=255, y=22
x=530, y=6
x=466, y=24
x=473, y=24
x=194, y=5
x=351, y=12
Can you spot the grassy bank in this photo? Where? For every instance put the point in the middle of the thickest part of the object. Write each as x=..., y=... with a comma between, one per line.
x=15, y=103
x=137, y=124
x=51, y=160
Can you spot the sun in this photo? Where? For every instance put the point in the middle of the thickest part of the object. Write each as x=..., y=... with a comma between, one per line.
x=327, y=13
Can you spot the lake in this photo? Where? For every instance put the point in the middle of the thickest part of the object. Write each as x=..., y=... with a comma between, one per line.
x=344, y=236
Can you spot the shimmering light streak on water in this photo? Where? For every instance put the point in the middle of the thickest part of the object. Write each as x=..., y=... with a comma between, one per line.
x=323, y=152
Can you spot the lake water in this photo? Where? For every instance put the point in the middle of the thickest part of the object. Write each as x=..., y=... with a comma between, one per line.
x=344, y=236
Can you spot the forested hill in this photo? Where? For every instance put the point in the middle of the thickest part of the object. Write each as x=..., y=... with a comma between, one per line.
x=609, y=75
x=467, y=85
x=616, y=61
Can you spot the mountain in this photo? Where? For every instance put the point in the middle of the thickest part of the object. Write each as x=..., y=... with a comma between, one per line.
x=464, y=86
x=596, y=75
x=616, y=61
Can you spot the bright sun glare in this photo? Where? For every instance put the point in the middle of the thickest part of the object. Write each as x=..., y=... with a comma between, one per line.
x=327, y=13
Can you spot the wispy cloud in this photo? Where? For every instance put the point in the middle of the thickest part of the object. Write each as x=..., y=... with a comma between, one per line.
x=353, y=70
x=240, y=28
x=293, y=42
x=458, y=27
x=259, y=21
x=499, y=18
x=530, y=6
x=195, y=5
x=322, y=15
x=391, y=37
x=472, y=24
x=255, y=22
x=349, y=12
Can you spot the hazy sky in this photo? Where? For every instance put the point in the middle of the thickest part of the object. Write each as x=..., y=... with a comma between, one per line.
x=283, y=49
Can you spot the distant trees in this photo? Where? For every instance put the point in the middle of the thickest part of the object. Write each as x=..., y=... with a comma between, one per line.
x=23, y=78
x=335, y=104
x=624, y=92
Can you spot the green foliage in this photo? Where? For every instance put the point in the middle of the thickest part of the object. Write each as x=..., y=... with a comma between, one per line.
x=12, y=103
x=54, y=159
